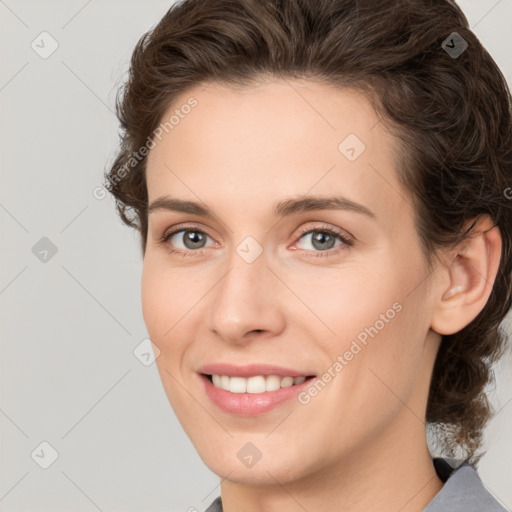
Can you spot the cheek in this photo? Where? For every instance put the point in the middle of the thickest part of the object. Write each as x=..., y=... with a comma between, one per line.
x=372, y=379
x=354, y=303
x=171, y=299
x=161, y=303
x=162, y=309
x=151, y=298
x=379, y=327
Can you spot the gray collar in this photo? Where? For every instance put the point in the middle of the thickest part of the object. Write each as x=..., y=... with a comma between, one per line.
x=463, y=490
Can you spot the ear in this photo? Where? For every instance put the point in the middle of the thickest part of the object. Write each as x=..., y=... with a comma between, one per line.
x=466, y=278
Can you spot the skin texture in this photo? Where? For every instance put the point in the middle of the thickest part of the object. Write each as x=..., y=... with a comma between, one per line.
x=361, y=441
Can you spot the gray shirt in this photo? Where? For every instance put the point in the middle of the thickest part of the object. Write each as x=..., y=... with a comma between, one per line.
x=463, y=491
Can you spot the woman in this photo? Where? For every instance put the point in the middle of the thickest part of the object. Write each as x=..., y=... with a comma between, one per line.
x=256, y=132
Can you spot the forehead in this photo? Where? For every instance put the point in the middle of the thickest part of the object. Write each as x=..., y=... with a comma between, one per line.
x=278, y=138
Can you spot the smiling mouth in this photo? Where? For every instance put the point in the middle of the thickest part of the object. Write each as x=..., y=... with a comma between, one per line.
x=256, y=383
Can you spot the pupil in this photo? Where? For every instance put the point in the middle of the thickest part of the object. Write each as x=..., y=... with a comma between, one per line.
x=194, y=238
x=319, y=238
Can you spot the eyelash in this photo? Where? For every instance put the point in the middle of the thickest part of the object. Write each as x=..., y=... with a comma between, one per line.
x=347, y=241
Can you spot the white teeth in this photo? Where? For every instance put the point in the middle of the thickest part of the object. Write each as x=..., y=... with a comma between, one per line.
x=237, y=385
x=287, y=382
x=256, y=384
x=224, y=382
x=272, y=383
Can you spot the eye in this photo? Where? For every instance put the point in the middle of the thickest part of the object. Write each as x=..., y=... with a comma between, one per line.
x=192, y=241
x=322, y=240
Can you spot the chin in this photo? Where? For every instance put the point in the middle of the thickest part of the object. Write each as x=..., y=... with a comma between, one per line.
x=263, y=472
x=257, y=475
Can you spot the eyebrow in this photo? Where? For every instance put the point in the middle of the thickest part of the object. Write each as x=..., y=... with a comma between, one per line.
x=281, y=209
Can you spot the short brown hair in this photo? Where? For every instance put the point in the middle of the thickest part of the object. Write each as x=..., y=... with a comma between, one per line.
x=452, y=115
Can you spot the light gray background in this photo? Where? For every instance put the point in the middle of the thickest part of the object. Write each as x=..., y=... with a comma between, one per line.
x=70, y=325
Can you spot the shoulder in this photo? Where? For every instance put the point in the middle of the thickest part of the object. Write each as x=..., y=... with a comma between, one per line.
x=463, y=491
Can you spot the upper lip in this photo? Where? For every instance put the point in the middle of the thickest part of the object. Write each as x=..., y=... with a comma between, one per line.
x=251, y=370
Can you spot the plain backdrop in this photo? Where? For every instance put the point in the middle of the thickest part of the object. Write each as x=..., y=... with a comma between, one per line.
x=74, y=396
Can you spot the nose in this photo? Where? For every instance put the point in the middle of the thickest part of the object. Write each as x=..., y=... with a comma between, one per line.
x=247, y=302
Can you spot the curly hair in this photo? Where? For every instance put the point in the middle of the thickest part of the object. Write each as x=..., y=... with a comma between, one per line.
x=450, y=112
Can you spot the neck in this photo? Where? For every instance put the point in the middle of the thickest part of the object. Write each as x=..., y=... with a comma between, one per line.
x=394, y=472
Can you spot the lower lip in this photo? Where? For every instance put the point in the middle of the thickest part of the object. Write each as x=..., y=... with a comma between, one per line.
x=251, y=404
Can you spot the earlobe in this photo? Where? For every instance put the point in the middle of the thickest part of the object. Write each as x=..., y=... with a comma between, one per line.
x=470, y=275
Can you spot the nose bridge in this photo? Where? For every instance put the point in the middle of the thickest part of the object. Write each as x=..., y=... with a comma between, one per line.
x=245, y=297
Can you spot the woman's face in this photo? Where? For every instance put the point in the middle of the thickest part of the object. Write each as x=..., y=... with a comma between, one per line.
x=261, y=282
